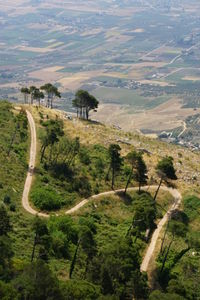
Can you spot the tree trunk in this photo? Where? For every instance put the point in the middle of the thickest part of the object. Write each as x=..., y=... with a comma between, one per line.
x=34, y=245
x=166, y=255
x=139, y=190
x=87, y=113
x=128, y=181
x=163, y=240
x=113, y=178
x=180, y=255
x=81, y=114
x=156, y=194
x=48, y=99
x=42, y=154
x=74, y=260
x=128, y=231
x=107, y=175
x=86, y=268
x=51, y=102
x=50, y=153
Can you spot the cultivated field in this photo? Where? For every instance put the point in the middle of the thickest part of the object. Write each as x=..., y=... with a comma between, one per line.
x=136, y=54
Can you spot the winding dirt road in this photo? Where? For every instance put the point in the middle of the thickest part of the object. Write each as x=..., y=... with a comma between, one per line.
x=26, y=205
x=184, y=129
x=32, y=159
x=151, y=248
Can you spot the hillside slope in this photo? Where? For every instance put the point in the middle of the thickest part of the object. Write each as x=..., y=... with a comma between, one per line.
x=103, y=234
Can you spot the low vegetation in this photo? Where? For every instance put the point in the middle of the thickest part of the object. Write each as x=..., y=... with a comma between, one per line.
x=69, y=171
x=97, y=252
x=178, y=261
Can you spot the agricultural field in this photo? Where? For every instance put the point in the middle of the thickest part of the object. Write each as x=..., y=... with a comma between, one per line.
x=138, y=55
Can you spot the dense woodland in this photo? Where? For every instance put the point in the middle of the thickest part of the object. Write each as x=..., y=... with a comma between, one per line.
x=94, y=265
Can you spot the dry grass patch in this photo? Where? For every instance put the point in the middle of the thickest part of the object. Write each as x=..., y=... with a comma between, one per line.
x=91, y=133
x=34, y=49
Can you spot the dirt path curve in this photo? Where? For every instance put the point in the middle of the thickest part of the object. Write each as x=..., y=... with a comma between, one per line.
x=32, y=159
x=151, y=248
x=184, y=129
x=25, y=198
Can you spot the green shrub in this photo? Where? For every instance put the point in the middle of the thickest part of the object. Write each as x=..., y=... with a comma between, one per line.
x=7, y=199
x=66, y=225
x=12, y=207
x=191, y=206
x=84, y=156
x=60, y=245
x=99, y=165
x=78, y=290
x=46, y=199
x=158, y=295
x=68, y=199
x=8, y=292
x=82, y=186
x=45, y=179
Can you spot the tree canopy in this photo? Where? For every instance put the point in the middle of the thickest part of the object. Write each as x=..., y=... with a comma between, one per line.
x=84, y=103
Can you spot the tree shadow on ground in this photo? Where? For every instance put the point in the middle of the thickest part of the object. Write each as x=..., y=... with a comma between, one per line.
x=126, y=198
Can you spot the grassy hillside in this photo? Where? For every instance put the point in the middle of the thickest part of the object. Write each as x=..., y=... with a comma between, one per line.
x=187, y=163
x=179, y=254
x=95, y=253
x=114, y=213
x=14, y=143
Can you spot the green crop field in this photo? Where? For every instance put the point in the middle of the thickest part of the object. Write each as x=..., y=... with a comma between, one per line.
x=127, y=97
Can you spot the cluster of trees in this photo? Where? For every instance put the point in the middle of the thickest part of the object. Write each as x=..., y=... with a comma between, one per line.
x=14, y=135
x=48, y=90
x=116, y=269
x=66, y=158
x=179, y=248
x=34, y=280
x=111, y=273
x=145, y=214
x=61, y=157
x=62, y=150
x=5, y=243
x=53, y=131
x=84, y=103
x=96, y=270
x=20, y=131
x=138, y=169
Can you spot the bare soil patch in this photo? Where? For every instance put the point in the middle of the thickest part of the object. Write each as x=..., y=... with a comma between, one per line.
x=74, y=81
x=192, y=78
x=34, y=49
x=47, y=74
x=166, y=116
